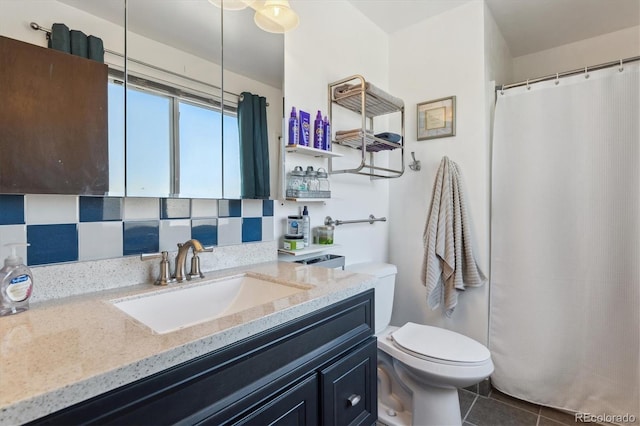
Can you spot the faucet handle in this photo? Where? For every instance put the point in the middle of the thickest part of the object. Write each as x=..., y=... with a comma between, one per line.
x=149, y=256
x=165, y=268
x=195, y=262
x=195, y=267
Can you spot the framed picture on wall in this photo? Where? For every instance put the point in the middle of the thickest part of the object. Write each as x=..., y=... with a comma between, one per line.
x=437, y=118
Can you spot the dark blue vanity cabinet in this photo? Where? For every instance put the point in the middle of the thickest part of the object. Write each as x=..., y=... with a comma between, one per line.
x=319, y=369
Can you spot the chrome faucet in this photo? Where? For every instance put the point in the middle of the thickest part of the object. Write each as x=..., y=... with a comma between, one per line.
x=181, y=260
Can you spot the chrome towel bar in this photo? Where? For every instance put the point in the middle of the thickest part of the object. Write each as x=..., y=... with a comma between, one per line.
x=328, y=221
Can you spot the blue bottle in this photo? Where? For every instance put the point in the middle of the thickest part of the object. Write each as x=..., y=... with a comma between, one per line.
x=318, y=131
x=294, y=135
x=304, y=129
x=326, y=145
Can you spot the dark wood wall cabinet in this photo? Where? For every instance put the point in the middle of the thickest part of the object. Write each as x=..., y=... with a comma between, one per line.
x=317, y=370
x=53, y=122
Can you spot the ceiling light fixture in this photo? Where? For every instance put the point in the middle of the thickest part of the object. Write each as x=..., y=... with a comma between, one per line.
x=276, y=16
x=231, y=4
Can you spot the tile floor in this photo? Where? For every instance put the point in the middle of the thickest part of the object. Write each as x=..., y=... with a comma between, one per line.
x=499, y=409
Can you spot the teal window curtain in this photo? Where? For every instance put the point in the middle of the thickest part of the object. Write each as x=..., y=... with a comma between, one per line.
x=254, y=146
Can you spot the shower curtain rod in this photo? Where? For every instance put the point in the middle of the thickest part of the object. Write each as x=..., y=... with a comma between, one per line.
x=35, y=26
x=569, y=73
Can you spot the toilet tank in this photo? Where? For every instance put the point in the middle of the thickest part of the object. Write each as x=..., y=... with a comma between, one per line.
x=386, y=274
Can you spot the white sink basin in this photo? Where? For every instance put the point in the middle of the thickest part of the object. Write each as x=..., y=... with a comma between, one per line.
x=174, y=309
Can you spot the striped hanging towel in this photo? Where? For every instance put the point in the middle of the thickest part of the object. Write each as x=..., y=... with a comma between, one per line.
x=449, y=265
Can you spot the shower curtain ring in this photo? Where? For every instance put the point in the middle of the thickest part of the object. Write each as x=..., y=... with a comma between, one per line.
x=621, y=68
x=586, y=72
x=528, y=87
x=557, y=79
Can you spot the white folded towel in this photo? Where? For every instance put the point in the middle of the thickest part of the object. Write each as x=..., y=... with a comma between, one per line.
x=449, y=265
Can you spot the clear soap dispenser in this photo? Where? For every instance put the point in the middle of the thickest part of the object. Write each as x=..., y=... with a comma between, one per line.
x=16, y=283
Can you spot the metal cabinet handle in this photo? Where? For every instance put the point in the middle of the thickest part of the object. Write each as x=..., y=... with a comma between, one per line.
x=354, y=400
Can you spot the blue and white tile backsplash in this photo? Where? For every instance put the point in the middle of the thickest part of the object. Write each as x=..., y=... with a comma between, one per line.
x=67, y=228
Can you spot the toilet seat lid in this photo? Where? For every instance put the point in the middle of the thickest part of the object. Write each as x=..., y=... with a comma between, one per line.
x=439, y=344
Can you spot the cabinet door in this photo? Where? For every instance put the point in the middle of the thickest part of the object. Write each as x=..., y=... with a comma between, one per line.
x=53, y=122
x=349, y=388
x=297, y=406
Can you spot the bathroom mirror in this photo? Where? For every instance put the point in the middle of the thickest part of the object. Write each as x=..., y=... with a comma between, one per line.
x=189, y=31
x=190, y=51
x=253, y=62
x=174, y=91
x=100, y=18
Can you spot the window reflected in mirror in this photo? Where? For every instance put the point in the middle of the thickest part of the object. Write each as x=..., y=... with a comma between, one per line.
x=232, y=173
x=115, y=94
x=174, y=142
x=149, y=144
x=200, y=171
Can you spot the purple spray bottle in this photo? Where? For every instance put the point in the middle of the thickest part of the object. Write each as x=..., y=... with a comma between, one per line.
x=294, y=135
x=318, y=131
x=327, y=135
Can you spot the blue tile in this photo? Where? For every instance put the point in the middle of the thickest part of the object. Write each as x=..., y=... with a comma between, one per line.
x=251, y=229
x=11, y=209
x=141, y=237
x=267, y=207
x=175, y=208
x=205, y=231
x=52, y=243
x=100, y=209
x=230, y=208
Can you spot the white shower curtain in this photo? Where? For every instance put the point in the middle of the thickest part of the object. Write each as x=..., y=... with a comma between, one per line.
x=565, y=250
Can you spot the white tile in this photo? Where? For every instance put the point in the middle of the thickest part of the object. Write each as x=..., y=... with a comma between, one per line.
x=12, y=234
x=51, y=209
x=141, y=208
x=99, y=240
x=251, y=208
x=267, y=228
x=204, y=208
x=172, y=232
x=229, y=231
x=223, y=208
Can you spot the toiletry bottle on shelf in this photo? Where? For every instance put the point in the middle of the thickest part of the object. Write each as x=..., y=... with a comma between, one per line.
x=304, y=127
x=16, y=283
x=326, y=144
x=318, y=131
x=306, y=226
x=294, y=132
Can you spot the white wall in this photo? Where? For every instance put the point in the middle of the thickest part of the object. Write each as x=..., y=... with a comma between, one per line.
x=592, y=51
x=498, y=58
x=438, y=57
x=332, y=43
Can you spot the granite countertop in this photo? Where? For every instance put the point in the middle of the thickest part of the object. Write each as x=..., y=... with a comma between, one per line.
x=63, y=352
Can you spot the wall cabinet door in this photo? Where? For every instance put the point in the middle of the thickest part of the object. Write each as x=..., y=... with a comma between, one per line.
x=349, y=388
x=53, y=122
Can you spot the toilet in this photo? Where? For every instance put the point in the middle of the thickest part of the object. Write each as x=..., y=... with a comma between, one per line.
x=420, y=367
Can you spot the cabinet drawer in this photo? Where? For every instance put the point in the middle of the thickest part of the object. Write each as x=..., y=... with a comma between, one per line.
x=349, y=388
x=297, y=406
